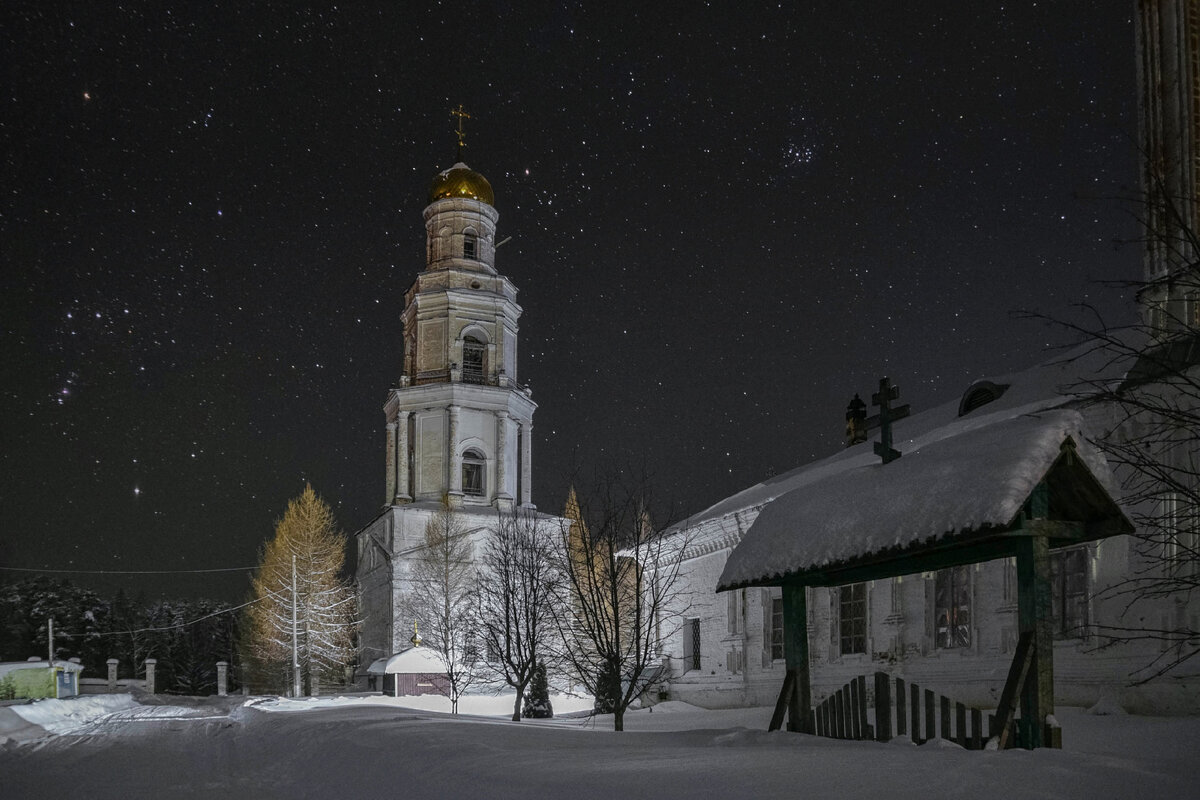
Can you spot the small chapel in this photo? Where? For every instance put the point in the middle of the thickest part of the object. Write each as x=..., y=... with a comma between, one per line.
x=458, y=425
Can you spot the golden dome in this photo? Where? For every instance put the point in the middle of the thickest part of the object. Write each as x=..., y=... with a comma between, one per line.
x=461, y=181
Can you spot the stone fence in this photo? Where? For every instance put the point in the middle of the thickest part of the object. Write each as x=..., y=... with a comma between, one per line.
x=112, y=684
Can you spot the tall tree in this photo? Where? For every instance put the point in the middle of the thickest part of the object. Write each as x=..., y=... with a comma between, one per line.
x=623, y=594
x=441, y=597
x=519, y=582
x=304, y=615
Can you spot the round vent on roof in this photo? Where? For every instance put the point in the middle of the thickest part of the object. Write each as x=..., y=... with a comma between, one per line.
x=979, y=394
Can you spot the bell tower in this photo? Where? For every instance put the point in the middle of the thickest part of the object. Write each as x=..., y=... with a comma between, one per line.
x=1168, y=50
x=459, y=424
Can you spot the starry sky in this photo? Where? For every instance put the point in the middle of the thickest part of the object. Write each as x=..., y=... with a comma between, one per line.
x=727, y=218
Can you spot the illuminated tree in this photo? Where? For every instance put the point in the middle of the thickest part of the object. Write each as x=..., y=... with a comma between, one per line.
x=302, y=623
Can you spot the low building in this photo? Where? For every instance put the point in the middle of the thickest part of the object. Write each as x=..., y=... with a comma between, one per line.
x=36, y=679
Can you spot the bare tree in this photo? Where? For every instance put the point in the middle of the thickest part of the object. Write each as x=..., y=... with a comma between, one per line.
x=1143, y=387
x=442, y=598
x=519, y=582
x=623, y=596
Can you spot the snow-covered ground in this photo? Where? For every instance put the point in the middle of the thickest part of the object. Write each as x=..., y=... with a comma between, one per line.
x=123, y=747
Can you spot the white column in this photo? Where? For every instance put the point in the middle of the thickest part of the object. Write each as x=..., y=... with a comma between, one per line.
x=502, y=492
x=526, y=463
x=390, y=489
x=453, y=458
x=402, y=482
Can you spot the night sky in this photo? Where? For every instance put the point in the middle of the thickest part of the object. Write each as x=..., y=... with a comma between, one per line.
x=727, y=219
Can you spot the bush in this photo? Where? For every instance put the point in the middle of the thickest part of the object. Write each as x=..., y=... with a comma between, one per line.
x=537, y=699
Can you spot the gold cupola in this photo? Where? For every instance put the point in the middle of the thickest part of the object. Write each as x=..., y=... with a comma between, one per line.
x=461, y=181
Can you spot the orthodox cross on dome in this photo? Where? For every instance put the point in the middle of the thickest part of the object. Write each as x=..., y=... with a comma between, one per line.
x=416, y=637
x=887, y=415
x=462, y=135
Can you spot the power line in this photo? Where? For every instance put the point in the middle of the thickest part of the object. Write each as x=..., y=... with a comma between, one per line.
x=129, y=571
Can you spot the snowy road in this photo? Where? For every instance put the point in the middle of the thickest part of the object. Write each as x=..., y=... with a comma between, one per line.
x=379, y=751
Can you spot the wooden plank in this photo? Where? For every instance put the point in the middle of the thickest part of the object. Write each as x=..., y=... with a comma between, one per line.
x=976, y=729
x=883, y=707
x=840, y=713
x=916, y=713
x=930, y=722
x=855, y=704
x=901, y=726
x=785, y=698
x=865, y=731
x=1006, y=711
x=946, y=733
x=960, y=724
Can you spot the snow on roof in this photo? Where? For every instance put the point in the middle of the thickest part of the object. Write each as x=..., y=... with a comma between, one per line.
x=968, y=475
x=1059, y=381
x=413, y=660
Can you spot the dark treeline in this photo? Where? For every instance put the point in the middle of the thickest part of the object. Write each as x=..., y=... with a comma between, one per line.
x=186, y=636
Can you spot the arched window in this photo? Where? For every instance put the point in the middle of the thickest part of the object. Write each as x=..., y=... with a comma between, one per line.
x=469, y=245
x=472, y=355
x=473, y=463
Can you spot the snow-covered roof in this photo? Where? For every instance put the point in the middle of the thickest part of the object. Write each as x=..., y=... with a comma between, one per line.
x=958, y=476
x=414, y=660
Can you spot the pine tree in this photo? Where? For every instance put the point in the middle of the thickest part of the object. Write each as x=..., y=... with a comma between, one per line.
x=537, y=699
x=301, y=604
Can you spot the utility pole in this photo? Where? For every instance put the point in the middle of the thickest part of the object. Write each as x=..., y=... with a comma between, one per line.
x=295, y=643
x=50, y=637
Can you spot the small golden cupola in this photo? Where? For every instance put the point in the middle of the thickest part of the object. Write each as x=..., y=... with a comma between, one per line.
x=460, y=180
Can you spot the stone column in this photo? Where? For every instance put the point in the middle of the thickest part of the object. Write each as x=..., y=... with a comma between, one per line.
x=390, y=491
x=453, y=458
x=502, y=492
x=150, y=663
x=112, y=674
x=526, y=463
x=222, y=678
x=402, y=483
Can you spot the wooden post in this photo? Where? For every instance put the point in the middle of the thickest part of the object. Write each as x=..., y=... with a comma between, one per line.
x=1001, y=723
x=946, y=733
x=930, y=720
x=856, y=702
x=901, y=727
x=916, y=713
x=863, y=726
x=795, y=648
x=960, y=723
x=1035, y=616
x=976, y=729
x=883, y=707
x=785, y=699
x=839, y=705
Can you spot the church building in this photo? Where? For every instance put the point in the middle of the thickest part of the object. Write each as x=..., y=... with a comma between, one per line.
x=459, y=424
x=955, y=625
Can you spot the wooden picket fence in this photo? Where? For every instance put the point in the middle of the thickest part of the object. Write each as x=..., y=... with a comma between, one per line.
x=901, y=709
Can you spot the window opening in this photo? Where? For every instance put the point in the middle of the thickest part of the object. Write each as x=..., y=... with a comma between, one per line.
x=472, y=473
x=852, y=617
x=691, y=659
x=468, y=247
x=1068, y=581
x=952, y=607
x=473, y=351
